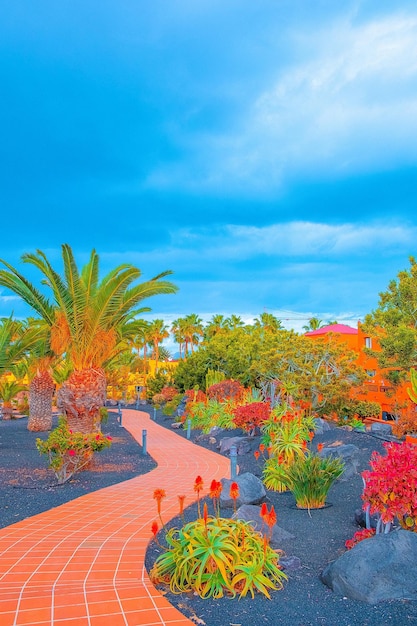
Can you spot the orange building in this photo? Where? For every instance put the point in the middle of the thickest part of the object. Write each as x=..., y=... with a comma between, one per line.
x=376, y=388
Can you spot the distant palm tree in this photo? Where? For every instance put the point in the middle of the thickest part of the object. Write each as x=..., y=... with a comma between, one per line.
x=313, y=324
x=234, y=321
x=193, y=330
x=216, y=325
x=268, y=321
x=177, y=329
x=88, y=319
x=156, y=333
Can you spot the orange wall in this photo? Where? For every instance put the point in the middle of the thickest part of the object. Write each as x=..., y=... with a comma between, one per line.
x=376, y=388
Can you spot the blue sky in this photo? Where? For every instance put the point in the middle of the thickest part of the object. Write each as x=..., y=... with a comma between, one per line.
x=266, y=152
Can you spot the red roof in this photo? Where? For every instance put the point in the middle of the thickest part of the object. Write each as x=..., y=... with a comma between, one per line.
x=342, y=329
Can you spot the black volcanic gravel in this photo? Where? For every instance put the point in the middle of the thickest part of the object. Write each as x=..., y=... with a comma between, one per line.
x=27, y=488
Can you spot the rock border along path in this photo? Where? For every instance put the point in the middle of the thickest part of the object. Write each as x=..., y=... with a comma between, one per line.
x=82, y=563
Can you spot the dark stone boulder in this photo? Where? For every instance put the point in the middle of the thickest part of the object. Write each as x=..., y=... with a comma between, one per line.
x=379, y=429
x=348, y=453
x=251, y=491
x=243, y=445
x=377, y=569
x=321, y=426
x=251, y=513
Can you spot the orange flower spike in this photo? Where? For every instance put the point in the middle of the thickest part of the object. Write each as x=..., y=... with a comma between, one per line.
x=215, y=489
x=270, y=450
x=311, y=435
x=256, y=454
x=154, y=528
x=159, y=495
x=198, y=484
x=205, y=513
x=262, y=447
x=181, y=501
x=234, y=491
x=320, y=447
x=264, y=510
x=271, y=517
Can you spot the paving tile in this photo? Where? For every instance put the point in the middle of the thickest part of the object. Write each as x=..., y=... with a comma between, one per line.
x=88, y=555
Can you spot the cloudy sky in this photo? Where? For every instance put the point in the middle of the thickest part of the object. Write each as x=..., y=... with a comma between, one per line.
x=264, y=151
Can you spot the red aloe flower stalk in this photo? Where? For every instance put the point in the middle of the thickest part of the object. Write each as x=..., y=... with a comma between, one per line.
x=154, y=529
x=262, y=447
x=181, y=501
x=159, y=495
x=234, y=494
x=198, y=486
x=215, y=491
x=256, y=454
x=205, y=515
x=320, y=447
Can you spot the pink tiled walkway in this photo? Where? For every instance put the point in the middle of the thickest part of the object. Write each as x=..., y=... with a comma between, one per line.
x=82, y=563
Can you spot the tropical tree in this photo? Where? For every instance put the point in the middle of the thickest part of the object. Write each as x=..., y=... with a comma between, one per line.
x=394, y=324
x=217, y=324
x=88, y=319
x=9, y=390
x=234, y=321
x=177, y=329
x=268, y=322
x=193, y=330
x=313, y=324
x=157, y=332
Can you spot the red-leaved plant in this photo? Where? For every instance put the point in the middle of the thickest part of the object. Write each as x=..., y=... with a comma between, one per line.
x=226, y=390
x=391, y=485
x=250, y=416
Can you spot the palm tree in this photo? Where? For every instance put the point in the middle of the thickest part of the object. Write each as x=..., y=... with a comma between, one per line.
x=268, y=322
x=177, y=329
x=193, y=330
x=88, y=319
x=9, y=390
x=313, y=324
x=158, y=331
x=216, y=325
x=234, y=321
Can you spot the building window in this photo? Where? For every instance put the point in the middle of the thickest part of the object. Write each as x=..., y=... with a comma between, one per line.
x=371, y=373
x=368, y=342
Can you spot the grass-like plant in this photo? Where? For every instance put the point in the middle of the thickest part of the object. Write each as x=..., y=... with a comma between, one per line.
x=310, y=478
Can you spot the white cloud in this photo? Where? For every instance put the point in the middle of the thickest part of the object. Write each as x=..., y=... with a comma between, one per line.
x=348, y=105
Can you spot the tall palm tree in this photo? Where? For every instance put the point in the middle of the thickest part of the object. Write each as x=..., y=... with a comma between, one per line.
x=313, y=324
x=193, y=330
x=177, y=329
x=268, y=322
x=87, y=318
x=216, y=325
x=158, y=331
x=234, y=321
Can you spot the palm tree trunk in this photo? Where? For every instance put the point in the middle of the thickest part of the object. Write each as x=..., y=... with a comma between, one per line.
x=80, y=399
x=41, y=390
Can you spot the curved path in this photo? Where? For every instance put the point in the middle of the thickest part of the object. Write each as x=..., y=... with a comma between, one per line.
x=82, y=563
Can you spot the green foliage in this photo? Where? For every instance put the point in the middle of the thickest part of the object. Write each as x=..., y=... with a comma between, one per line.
x=10, y=389
x=205, y=415
x=191, y=373
x=216, y=556
x=213, y=377
x=310, y=478
x=413, y=391
x=171, y=406
x=394, y=322
x=368, y=409
x=155, y=384
x=69, y=452
x=104, y=415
